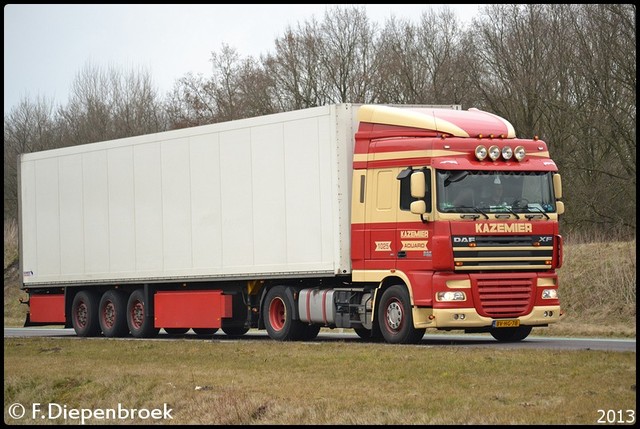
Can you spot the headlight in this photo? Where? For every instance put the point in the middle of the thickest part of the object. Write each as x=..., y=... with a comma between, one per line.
x=507, y=153
x=550, y=294
x=451, y=296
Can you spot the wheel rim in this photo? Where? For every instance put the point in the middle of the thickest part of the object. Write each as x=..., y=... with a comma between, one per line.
x=277, y=314
x=109, y=315
x=137, y=315
x=82, y=315
x=394, y=315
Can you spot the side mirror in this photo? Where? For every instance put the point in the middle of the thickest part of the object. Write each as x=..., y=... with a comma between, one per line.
x=557, y=186
x=418, y=207
x=559, y=207
x=418, y=187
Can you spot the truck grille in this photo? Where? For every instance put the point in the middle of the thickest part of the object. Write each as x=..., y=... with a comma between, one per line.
x=502, y=252
x=504, y=297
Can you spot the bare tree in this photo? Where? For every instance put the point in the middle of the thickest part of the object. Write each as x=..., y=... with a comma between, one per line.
x=191, y=103
x=295, y=68
x=604, y=65
x=347, y=55
x=399, y=78
x=28, y=127
x=421, y=63
x=255, y=87
x=106, y=104
x=225, y=83
x=567, y=73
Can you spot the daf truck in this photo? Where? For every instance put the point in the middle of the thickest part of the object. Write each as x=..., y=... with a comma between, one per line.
x=388, y=220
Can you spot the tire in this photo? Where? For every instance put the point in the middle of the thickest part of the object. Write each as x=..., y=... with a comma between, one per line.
x=176, y=331
x=235, y=331
x=113, y=313
x=140, y=325
x=277, y=313
x=363, y=333
x=395, y=318
x=84, y=314
x=205, y=332
x=511, y=335
x=368, y=334
x=310, y=332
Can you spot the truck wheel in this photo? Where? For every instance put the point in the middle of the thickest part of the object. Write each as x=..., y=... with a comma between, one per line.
x=363, y=333
x=84, y=314
x=511, y=335
x=310, y=332
x=176, y=331
x=203, y=332
x=139, y=324
x=368, y=334
x=113, y=313
x=395, y=319
x=235, y=332
x=278, y=316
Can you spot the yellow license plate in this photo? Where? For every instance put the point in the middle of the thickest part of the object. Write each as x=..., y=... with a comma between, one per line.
x=506, y=323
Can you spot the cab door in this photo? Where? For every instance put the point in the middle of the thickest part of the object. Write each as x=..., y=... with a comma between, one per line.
x=380, y=217
x=413, y=236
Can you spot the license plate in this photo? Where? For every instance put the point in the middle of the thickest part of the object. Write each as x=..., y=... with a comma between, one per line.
x=506, y=323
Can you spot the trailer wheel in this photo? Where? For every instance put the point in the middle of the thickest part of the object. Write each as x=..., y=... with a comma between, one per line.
x=235, y=331
x=84, y=314
x=113, y=313
x=176, y=331
x=203, y=332
x=139, y=324
x=278, y=316
x=395, y=318
x=510, y=335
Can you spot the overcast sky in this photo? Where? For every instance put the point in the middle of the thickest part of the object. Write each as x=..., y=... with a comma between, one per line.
x=46, y=46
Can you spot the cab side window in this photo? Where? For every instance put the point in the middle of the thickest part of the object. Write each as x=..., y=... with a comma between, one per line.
x=405, y=189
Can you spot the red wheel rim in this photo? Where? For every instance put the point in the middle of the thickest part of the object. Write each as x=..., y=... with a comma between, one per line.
x=277, y=314
x=82, y=315
x=137, y=314
x=109, y=315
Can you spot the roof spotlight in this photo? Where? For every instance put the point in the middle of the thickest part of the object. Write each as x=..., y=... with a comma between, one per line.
x=494, y=152
x=481, y=152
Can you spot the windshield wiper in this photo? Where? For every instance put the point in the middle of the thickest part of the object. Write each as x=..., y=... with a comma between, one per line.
x=539, y=210
x=512, y=212
x=477, y=210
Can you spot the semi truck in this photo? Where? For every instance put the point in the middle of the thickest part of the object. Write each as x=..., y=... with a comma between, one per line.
x=385, y=219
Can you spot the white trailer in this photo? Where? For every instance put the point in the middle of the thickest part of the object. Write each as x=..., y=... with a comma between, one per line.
x=253, y=198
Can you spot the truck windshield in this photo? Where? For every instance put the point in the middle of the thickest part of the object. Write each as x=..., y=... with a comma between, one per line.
x=468, y=191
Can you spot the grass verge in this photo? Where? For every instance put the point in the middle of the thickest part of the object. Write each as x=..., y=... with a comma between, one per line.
x=267, y=382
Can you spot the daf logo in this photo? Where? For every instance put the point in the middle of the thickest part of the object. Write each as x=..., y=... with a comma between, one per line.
x=464, y=239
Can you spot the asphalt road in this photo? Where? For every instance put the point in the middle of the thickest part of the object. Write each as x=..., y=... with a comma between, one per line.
x=429, y=340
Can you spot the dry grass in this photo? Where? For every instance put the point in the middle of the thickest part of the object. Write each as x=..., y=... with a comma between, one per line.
x=10, y=242
x=598, y=283
x=267, y=382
